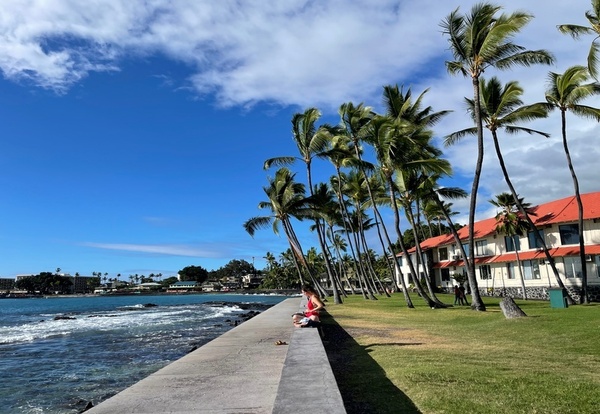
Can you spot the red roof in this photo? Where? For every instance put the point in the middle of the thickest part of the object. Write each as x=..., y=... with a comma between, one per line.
x=539, y=254
x=554, y=212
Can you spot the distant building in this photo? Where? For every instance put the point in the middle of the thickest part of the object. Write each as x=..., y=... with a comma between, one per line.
x=6, y=284
x=211, y=286
x=185, y=286
x=251, y=281
x=83, y=284
x=149, y=286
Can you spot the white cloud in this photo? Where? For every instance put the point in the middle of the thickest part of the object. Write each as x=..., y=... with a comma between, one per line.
x=160, y=249
x=308, y=53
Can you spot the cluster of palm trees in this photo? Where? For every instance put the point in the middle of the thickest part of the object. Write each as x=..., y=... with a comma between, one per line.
x=388, y=160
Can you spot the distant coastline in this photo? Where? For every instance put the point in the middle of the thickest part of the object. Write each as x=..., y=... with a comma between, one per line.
x=283, y=292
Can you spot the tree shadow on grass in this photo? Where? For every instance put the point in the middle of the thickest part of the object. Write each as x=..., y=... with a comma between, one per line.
x=363, y=384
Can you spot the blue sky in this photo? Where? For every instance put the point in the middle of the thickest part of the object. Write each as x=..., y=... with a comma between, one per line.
x=133, y=133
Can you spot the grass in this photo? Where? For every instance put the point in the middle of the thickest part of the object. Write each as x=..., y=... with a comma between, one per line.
x=391, y=359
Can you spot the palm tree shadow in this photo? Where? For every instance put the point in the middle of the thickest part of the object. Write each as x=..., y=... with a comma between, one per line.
x=363, y=384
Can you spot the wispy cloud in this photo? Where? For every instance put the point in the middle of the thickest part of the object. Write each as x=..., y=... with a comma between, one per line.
x=157, y=249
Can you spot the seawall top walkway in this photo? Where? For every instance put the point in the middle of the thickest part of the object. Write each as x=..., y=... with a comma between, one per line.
x=238, y=372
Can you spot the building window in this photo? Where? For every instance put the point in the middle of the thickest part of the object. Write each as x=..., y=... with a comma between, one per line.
x=572, y=267
x=512, y=243
x=534, y=243
x=485, y=272
x=445, y=275
x=466, y=248
x=531, y=269
x=481, y=248
x=569, y=233
x=443, y=252
x=510, y=270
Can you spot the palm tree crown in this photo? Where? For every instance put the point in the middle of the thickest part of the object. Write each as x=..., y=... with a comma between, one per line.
x=575, y=31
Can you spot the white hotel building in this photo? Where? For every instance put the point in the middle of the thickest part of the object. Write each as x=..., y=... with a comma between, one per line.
x=496, y=254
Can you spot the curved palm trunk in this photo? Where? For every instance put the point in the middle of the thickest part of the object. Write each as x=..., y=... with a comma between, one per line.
x=330, y=273
x=476, y=301
x=389, y=265
x=298, y=255
x=430, y=302
x=362, y=276
x=520, y=268
x=405, y=292
x=524, y=213
x=347, y=223
x=419, y=259
x=336, y=294
x=584, y=289
x=450, y=223
x=376, y=282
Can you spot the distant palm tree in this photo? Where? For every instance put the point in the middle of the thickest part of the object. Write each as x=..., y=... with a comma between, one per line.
x=479, y=41
x=509, y=221
x=575, y=31
x=286, y=199
x=565, y=92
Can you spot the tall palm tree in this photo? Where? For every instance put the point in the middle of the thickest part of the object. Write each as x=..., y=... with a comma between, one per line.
x=355, y=188
x=286, y=199
x=502, y=108
x=509, y=221
x=565, y=92
x=479, y=41
x=311, y=143
x=575, y=31
x=402, y=142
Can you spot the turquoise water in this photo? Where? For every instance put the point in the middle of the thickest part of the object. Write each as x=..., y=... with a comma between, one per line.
x=102, y=344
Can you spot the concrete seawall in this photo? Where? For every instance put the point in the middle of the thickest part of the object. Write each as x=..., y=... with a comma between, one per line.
x=242, y=371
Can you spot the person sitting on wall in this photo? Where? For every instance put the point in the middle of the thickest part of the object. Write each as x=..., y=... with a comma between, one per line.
x=301, y=321
x=314, y=303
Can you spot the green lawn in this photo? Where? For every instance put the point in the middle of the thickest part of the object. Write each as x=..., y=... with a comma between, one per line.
x=391, y=359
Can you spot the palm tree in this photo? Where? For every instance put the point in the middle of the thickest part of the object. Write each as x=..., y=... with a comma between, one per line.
x=402, y=142
x=509, y=221
x=565, y=92
x=286, y=199
x=502, y=108
x=479, y=41
x=311, y=142
x=575, y=31
x=355, y=188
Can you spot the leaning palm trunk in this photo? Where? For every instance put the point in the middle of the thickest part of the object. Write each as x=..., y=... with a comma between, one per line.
x=419, y=259
x=336, y=294
x=525, y=214
x=375, y=281
x=455, y=235
x=431, y=303
x=299, y=256
x=584, y=289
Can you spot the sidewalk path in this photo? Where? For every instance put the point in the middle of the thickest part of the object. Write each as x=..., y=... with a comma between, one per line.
x=238, y=372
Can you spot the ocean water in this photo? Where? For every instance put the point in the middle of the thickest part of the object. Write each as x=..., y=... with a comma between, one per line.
x=56, y=365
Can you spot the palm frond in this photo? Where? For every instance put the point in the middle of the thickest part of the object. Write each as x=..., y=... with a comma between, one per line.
x=454, y=137
x=279, y=162
x=574, y=30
